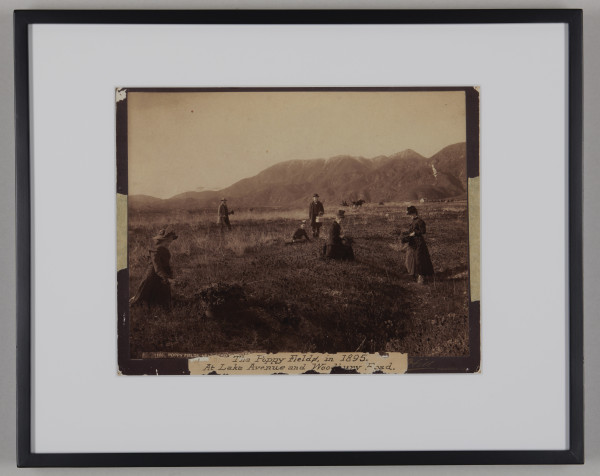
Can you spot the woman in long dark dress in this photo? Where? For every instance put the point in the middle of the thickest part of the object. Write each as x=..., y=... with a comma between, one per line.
x=155, y=288
x=338, y=247
x=418, y=262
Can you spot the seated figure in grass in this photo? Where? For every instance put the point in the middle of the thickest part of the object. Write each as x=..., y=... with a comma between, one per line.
x=300, y=235
x=338, y=246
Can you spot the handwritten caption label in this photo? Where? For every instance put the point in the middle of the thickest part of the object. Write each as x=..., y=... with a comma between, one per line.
x=297, y=363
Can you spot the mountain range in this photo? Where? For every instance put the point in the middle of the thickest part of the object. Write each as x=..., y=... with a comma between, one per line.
x=406, y=175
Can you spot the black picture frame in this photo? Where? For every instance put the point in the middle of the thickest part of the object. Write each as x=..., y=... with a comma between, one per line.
x=27, y=458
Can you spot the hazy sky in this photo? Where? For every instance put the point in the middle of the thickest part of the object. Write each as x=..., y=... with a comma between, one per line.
x=189, y=141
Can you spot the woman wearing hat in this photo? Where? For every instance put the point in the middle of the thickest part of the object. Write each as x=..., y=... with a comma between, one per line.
x=155, y=289
x=418, y=262
x=338, y=247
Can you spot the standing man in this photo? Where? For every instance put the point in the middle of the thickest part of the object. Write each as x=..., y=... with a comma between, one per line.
x=223, y=220
x=315, y=212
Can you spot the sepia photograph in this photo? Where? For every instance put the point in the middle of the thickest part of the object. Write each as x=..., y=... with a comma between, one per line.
x=298, y=231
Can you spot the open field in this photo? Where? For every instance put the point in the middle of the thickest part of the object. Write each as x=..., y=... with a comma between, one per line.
x=291, y=300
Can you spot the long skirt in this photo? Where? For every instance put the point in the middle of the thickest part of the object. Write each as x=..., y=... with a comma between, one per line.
x=422, y=261
x=153, y=291
x=338, y=251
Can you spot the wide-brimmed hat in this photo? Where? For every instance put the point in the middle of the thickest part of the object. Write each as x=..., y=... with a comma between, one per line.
x=165, y=234
x=411, y=210
x=316, y=195
x=341, y=213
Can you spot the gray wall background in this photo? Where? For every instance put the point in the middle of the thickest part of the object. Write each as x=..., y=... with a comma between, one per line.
x=591, y=231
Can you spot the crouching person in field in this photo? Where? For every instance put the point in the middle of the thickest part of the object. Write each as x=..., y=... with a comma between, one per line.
x=155, y=288
x=300, y=235
x=338, y=247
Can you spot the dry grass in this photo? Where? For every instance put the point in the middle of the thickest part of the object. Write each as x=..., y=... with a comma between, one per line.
x=294, y=300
